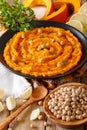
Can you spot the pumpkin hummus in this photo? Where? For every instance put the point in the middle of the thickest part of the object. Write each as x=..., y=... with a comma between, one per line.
x=45, y=51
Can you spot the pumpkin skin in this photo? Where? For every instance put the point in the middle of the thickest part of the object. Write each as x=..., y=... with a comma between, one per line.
x=59, y=10
x=47, y=3
x=74, y=5
x=61, y=13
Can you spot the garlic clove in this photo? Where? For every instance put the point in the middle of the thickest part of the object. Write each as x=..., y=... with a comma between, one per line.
x=27, y=93
x=10, y=102
x=1, y=107
x=34, y=114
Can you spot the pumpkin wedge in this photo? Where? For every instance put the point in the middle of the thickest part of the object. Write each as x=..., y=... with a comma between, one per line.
x=73, y=5
x=60, y=13
x=34, y=3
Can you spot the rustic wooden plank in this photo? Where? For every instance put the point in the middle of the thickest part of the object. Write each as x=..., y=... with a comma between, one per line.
x=57, y=127
x=4, y=113
x=84, y=78
x=78, y=128
x=52, y=126
x=22, y=121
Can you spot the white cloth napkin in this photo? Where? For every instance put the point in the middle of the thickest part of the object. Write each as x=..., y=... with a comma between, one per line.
x=11, y=83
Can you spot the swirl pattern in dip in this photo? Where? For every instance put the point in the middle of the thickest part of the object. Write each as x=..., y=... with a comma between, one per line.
x=43, y=51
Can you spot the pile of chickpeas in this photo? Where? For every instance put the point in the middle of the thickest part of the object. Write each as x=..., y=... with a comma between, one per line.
x=69, y=103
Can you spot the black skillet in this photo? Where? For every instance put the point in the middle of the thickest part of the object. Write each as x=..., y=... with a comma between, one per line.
x=7, y=35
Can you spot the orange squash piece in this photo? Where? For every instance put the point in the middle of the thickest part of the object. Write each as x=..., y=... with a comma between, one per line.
x=73, y=5
x=60, y=13
x=34, y=3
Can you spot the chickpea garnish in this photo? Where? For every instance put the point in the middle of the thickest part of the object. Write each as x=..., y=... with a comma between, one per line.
x=59, y=64
x=39, y=30
x=62, y=42
x=60, y=33
x=23, y=35
x=40, y=60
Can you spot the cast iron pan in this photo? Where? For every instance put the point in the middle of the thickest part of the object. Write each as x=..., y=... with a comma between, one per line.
x=6, y=36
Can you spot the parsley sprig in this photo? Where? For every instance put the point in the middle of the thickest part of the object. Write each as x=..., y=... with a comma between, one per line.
x=16, y=17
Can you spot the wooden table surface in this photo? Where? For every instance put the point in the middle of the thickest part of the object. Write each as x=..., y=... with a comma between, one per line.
x=22, y=122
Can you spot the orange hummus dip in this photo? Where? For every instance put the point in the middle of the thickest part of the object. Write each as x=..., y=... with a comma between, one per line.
x=45, y=51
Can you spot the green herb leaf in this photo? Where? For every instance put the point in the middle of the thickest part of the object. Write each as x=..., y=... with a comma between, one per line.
x=16, y=17
x=42, y=36
x=65, y=62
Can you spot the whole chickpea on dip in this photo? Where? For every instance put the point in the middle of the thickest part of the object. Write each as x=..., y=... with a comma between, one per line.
x=45, y=51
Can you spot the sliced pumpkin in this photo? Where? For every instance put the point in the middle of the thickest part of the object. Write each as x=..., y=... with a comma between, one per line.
x=73, y=5
x=60, y=13
x=34, y=3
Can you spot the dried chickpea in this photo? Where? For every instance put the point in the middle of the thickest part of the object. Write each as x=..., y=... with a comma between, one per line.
x=40, y=103
x=69, y=103
x=33, y=126
x=52, y=110
x=56, y=107
x=67, y=108
x=64, y=112
x=72, y=117
x=79, y=117
x=46, y=124
x=84, y=115
x=69, y=113
x=68, y=118
x=49, y=103
x=58, y=116
x=50, y=107
x=63, y=118
x=55, y=93
x=40, y=117
x=78, y=112
x=52, y=95
x=59, y=112
x=55, y=113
